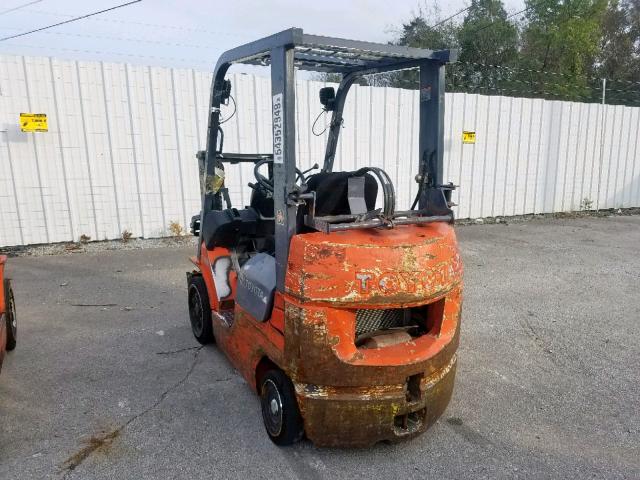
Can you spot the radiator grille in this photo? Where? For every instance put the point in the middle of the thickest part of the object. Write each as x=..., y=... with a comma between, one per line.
x=370, y=320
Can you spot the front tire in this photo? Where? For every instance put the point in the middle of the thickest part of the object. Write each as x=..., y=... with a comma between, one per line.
x=200, y=310
x=10, y=315
x=280, y=412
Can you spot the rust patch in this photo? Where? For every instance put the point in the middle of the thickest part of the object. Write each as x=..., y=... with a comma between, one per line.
x=409, y=262
x=359, y=416
x=325, y=250
x=428, y=241
x=317, y=276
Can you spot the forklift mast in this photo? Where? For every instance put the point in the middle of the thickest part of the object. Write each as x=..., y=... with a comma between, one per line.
x=292, y=49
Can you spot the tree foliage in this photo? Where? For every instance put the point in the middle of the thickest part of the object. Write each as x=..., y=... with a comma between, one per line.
x=561, y=38
x=552, y=48
x=486, y=37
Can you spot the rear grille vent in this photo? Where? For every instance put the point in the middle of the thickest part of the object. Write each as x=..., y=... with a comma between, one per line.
x=413, y=321
x=371, y=320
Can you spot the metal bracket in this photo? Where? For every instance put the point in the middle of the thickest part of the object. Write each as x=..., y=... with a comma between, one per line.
x=355, y=195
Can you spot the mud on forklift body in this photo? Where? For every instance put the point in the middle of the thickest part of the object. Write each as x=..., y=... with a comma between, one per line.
x=344, y=318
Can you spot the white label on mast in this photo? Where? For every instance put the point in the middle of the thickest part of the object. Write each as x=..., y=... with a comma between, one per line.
x=278, y=129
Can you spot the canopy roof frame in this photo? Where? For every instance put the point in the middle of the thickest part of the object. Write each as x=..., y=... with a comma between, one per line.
x=328, y=54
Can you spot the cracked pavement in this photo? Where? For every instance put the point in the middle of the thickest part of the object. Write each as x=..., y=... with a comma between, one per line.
x=107, y=381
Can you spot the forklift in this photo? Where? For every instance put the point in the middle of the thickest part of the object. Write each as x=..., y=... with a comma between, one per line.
x=8, y=320
x=343, y=316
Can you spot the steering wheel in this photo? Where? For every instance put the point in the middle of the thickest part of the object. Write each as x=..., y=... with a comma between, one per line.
x=264, y=181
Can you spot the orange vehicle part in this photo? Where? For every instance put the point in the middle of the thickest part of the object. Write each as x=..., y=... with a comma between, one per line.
x=386, y=387
x=3, y=309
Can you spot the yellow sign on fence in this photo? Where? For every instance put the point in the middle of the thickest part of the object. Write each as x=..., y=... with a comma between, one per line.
x=468, y=137
x=34, y=122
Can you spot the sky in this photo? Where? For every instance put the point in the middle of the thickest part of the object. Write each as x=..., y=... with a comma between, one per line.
x=193, y=33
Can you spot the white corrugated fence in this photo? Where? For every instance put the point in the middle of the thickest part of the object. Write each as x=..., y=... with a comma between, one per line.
x=120, y=151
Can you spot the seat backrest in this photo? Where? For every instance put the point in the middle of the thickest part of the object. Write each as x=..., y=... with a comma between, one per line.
x=332, y=192
x=262, y=201
x=225, y=228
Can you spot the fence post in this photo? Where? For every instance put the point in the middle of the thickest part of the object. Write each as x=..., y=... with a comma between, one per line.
x=602, y=117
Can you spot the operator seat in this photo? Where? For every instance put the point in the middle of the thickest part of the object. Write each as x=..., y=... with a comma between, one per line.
x=332, y=198
x=332, y=192
x=262, y=201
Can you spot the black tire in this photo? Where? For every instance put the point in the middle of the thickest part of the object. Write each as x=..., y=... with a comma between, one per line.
x=280, y=412
x=10, y=315
x=200, y=310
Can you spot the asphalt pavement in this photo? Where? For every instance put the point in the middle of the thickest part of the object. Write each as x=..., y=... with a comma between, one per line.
x=107, y=381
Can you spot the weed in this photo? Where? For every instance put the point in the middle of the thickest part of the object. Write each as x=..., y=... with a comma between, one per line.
x=176, y=229
x=586, y=204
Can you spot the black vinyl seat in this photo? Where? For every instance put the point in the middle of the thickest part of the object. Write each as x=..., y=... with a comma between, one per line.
x=332, y=190
x=262, y=201
x=225, y=228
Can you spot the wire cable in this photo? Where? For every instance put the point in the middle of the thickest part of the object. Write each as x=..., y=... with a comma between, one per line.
x=75, y=19
x=313, y=127
x=216, y=33
x=451, y=17
x=528, y=70
x=484, y=27
x=235, y=110
x=19, y=7
x=121, y=39
x=194, y=63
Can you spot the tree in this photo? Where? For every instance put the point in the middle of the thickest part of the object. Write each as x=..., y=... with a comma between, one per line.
x=559, y=49
x=436, y=34
x=618, y=58
x=559, y=42
x=417, y=32
x=486, y=37
x=615, y=58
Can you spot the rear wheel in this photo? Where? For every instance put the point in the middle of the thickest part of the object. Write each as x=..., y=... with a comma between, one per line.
x=200, y=310
x=280, y=412
x=12, y=321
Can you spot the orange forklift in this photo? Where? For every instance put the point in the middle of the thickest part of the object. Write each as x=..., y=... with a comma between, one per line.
x=8, y=321
x=343, y=316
